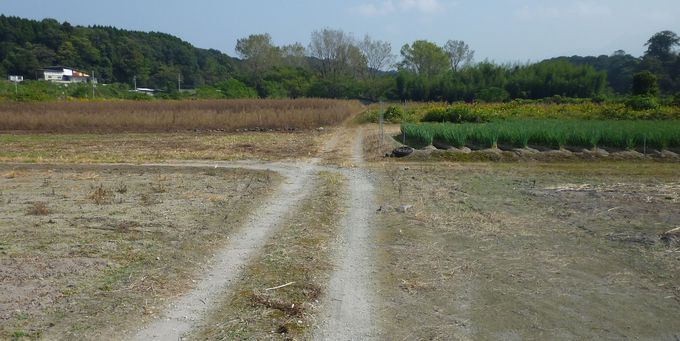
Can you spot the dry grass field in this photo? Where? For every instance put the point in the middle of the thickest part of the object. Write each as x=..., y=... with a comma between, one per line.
x=155, y=147
x=86, y=251
x=168, y=116
x=529, y=251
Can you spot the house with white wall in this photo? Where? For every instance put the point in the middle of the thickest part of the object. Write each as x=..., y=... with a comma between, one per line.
x=60, y=74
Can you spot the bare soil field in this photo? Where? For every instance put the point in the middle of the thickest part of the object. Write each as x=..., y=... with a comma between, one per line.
x=330, y=240
x=87, y=251
x=529, y=251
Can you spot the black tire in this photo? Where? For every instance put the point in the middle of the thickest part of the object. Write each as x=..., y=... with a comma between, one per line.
x=402, y=151
x=441, y=145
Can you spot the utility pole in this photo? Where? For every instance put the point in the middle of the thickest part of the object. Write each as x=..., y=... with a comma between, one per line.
x=179, y=82
x=93, y=81
x=16, y=88
x=134, y=80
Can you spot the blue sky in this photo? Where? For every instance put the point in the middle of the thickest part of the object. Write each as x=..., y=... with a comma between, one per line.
x=499, y=30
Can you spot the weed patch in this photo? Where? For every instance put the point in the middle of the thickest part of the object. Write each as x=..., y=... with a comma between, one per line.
x=38, y=208
x=101, y=196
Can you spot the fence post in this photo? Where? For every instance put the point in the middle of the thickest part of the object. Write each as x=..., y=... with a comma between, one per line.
x=381, y=121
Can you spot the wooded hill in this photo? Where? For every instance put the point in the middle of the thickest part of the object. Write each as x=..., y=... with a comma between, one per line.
x=115, y=55
x=333, y=65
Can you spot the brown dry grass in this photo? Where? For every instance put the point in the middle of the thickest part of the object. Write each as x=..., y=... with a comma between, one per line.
x=39, y=208
x=150, y=147
x=157, y=116
x=100, y=195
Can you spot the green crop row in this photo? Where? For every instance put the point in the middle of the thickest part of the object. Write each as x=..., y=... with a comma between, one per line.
x=549, y=133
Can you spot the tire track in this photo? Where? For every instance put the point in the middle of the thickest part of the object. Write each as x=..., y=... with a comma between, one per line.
x=349, y=305
x=189, y=309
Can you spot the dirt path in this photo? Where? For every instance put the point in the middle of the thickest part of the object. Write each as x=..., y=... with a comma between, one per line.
x=349, y=305
x=186, y=311
x=348, y=309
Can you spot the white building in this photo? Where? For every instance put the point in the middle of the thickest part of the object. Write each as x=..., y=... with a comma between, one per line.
x=59, y=74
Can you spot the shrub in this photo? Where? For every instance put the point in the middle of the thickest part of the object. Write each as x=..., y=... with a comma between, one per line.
x=642, y=103
x=232, y=88
x=645, y=84
x=455, y=114
x=393, y=114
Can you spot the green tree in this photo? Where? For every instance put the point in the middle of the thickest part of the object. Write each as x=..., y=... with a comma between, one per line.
x=336, y=55
x=661, y=45
x=294, y=55
x=645, y=84
x=424, y=58
x=378, y=54
x=67, y=54
x=259, y=55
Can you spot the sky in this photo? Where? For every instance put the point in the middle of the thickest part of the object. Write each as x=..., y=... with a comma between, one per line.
x=503, y=31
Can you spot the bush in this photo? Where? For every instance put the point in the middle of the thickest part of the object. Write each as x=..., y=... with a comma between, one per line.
x=645, y=84
x=393, y=114
x=233, y=88
x=640, y=103
x=455, y=114
x=207, y=92
x=396, y=114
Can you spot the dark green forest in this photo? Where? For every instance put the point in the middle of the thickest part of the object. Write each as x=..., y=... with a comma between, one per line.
x=334, y=64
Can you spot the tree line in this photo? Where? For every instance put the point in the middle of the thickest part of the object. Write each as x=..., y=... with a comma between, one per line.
x=333, y=64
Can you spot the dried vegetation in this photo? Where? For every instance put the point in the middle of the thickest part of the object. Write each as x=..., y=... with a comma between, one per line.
x=163, y=116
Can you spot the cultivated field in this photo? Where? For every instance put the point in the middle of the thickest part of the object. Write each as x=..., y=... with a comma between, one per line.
x=557, y=134
x=164, y=116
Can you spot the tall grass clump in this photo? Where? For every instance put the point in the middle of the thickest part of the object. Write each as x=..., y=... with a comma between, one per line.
x=558, y=134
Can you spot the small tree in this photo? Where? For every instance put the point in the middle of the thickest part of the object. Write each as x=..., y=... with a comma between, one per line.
x=645, y=84
x=258, y=53
x=378, y=54
x=459, y=53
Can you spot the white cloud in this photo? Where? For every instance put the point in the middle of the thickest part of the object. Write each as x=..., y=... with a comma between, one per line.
x=539, y=12
x=585, y=9
x=387, y=7
x=423, y=6
x=373, y=9
x=578, y=9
